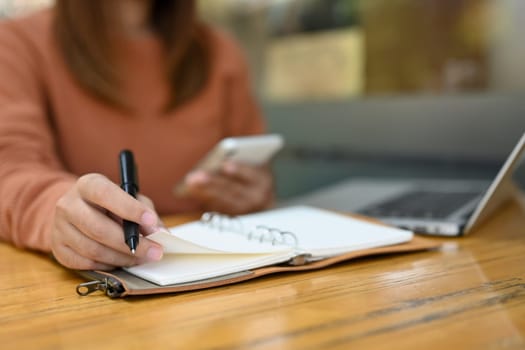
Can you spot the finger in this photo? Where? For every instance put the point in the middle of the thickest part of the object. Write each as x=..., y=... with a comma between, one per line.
x=224, y=195
x=241, y=172
x=211, y=187
x=258, y=178
x=99, y=190
x=69, y=258
x=144, y=230
x=230, y=194
x=92, y=250
x=100, y=228
x=147, y=230
x=112, y=236
x=146, y=201
x=258, y=190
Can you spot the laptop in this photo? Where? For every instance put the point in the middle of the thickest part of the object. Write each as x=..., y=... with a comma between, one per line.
x=436, y=207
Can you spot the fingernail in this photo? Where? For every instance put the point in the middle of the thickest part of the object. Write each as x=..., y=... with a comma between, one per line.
x=154, y=253
x=148, y=219
x=151, y=229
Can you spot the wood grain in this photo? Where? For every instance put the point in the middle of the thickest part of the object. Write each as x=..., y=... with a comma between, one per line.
x=469, y=295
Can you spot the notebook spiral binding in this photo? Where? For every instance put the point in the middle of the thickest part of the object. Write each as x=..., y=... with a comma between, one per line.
x=261, y=233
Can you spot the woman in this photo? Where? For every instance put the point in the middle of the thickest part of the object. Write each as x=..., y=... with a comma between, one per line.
x=87, y=78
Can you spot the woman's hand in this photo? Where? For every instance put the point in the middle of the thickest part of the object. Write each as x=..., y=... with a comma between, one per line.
x=236, y=189
x=87, y=231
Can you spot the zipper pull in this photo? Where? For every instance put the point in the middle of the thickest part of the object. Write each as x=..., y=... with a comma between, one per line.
x=87, y=288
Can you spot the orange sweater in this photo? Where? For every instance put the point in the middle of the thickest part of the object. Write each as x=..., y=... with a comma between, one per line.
x=52, y=131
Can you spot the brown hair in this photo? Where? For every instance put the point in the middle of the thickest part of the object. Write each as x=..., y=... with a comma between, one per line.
x=83, y=31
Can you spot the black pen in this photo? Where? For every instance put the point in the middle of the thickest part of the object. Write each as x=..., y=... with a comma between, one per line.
x=129, y=183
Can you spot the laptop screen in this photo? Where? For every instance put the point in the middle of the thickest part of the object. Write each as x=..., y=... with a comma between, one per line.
x=501, y=189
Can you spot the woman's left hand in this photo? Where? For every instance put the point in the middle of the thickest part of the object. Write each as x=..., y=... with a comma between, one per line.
x=235, y=189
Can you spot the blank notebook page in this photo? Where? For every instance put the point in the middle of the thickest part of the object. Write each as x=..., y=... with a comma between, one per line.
x=323, y=233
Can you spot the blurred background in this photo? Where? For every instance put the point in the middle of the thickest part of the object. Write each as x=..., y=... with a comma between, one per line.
x=426, y=88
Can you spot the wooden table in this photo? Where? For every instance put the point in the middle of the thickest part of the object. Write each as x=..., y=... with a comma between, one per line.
x=470, y=295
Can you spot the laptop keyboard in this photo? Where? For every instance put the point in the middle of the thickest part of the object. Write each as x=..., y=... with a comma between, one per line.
x=421, y=204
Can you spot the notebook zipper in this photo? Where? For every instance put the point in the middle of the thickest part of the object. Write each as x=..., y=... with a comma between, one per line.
x=87, y=288
x=111, y=287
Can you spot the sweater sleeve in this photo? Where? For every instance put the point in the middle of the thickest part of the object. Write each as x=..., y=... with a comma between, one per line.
x=32, y=177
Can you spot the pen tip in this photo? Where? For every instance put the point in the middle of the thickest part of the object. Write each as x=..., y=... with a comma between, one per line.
x=133, y=251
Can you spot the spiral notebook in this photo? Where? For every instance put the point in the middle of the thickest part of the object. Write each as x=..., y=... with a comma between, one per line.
x=218, y=245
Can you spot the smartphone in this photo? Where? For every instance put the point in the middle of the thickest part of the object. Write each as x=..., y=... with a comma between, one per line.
x=254, y=150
